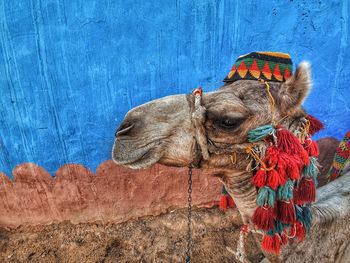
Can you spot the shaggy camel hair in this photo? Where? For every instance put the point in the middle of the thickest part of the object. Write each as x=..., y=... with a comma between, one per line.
x=170, y=131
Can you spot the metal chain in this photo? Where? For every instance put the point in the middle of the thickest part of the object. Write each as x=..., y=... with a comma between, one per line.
x=189, y=217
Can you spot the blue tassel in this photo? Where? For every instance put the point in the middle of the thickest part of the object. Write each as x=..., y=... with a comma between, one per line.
x=285, y=192
x=260, y=133
x=266, y=196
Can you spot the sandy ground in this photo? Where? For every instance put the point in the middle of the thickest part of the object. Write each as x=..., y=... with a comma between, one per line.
x=152, y=239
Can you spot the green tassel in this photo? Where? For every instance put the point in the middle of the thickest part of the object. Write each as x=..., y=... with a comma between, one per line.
x=224, y=191
x=299, y=213
x=286, y=225
x=260, y=133
x=270, y=233
x=311, y=170
x=307, y=218
x=266, y=196
x=278, y=226
x=285, y=192
x=304, y=215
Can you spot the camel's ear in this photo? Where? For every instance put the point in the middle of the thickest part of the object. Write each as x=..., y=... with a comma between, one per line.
x=293, y=92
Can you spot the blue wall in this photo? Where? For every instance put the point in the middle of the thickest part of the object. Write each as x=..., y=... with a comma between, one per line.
x=71, y=69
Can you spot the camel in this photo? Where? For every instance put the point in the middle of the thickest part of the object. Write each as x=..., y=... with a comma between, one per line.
x=209, y=131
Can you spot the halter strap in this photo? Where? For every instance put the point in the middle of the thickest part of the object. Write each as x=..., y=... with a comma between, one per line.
x=198, y=120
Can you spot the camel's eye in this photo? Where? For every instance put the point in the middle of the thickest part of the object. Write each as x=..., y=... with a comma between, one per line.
x=228, y=123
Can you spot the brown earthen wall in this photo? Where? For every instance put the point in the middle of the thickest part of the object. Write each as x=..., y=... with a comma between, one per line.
x=113, y=194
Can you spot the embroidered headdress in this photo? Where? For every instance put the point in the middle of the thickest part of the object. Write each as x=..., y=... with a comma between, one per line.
x=269, y=66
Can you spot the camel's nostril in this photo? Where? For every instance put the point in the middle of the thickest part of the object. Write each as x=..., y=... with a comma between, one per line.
x=124, y=128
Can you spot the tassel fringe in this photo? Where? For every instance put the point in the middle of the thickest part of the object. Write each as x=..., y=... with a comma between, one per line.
x=286, y=182
x=226, y=201
x=264, y=218
x=315, y=124
x=286, y=212
x=271, y=243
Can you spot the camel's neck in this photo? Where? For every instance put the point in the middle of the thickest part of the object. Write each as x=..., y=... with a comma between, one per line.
x=239, y=186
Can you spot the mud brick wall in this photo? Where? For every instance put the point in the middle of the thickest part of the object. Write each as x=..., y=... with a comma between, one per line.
x=113, y=194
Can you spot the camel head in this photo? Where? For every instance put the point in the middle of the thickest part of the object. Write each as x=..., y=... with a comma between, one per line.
x=164, y=131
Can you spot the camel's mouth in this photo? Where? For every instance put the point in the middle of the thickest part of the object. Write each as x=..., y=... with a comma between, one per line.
x=126, y=153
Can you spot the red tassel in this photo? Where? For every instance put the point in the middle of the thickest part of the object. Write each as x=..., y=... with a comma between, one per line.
x=267, y=243
x=287, y=142
x=300, y=162
x=286, y=212
x=293, y=171
x=275, y=179
x=304, y=156
x=282, y=167
x=300, y=231
x=290, y=144
x=259, y=178
x=271, y=244
x=315, y=124
x=223, y=203
x=292, y=231
x=230, y=202
x=312, y=147
x=226, y=201
x=264, y=217
x=284, y=238
x=282, y=178
x=271, y=156
x=277, y=244
x=292, y=165
x=298, y=199
x=307, y=190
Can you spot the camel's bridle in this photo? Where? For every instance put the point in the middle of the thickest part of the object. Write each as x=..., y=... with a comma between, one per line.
x=197, y=119
x=200, y=152
x=203, y=147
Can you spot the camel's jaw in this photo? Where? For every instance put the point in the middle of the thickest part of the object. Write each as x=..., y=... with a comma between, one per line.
x=125, y=153
x=156, y=132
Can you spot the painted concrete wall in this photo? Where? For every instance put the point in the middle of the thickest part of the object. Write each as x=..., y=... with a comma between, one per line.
x=70, y=70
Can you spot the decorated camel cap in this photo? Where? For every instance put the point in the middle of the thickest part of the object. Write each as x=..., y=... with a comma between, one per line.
x=269, y=66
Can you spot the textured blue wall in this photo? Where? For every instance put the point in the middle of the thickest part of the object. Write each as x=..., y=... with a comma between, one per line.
x=70, y=69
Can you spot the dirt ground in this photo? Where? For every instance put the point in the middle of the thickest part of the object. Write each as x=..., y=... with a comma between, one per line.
x=152, y=239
